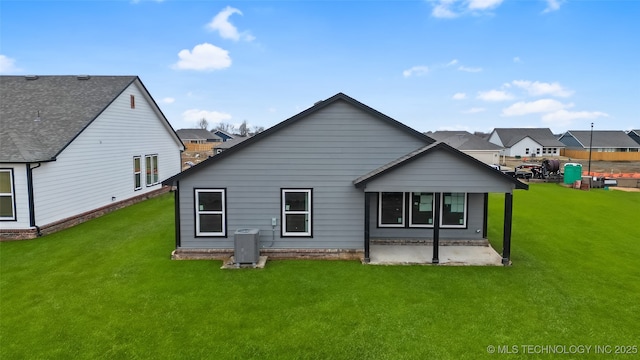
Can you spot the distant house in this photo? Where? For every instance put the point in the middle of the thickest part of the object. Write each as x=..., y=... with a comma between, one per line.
x=220, y=147
x=320, y=185
x=527, y=142
x=197, y=136
x=603, y=141
x=225, y=136
x=470, y=144
x=635, y=135
x=73, y=147
x=199, y=143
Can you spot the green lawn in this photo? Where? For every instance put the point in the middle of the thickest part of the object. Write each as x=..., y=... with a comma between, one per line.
x=107, y=289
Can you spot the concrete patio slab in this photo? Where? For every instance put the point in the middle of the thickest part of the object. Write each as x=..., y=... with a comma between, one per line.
x=457, y=255
x=231, y=264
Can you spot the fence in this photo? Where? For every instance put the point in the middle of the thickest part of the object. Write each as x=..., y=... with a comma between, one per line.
x=199, y=147
x=601, y=156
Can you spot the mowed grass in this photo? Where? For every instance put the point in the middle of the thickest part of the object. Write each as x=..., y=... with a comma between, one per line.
x=107, y=289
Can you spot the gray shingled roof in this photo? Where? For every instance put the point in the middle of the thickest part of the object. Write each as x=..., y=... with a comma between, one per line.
x=65, y=104
x=196, y=134
x=543, y=136
x=463, y=140
x=604, y=138
x=232, y=142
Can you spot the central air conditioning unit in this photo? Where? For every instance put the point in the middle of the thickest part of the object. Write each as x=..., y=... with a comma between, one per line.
x=246, y=246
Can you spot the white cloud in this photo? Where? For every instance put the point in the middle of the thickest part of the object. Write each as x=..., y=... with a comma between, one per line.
x=517, y=59
x=459, y=96
x=416, y=71
x=538, y=106
x=452, y=62
x=552, y=5
x=449, y=9
x=168, y=100
x=564, y=117
x=483, y=4
x=8, y=65
x=494, y=95
x=474, y=110
x=442, y=9
x=469, y=69
x=203, y=57
x=537, y=88
x=226, y=29
x=195, y=115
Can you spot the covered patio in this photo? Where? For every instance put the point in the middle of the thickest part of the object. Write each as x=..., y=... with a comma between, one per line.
x=432, y=196
x=453, y=255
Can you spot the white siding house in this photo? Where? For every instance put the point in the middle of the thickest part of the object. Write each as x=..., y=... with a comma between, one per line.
x=78, y=145
x=526, y=142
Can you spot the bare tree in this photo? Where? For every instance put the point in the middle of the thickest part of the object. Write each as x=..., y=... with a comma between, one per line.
x=243, y=130
x=256, y=130
x=228, y=128
x=203, y=124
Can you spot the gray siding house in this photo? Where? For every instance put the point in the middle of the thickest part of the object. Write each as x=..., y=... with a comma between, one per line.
x=600, y=141
x=320, y=184
x=635, y=135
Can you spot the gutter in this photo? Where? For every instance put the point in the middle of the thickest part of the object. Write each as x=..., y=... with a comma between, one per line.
x=31, y=199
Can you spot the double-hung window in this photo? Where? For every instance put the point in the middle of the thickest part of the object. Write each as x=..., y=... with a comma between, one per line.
x=151, y=162
x=137, y=173
x=391, y=209
x=453, y=210
x=211, y=219
x=296, y=212
x=7, y=195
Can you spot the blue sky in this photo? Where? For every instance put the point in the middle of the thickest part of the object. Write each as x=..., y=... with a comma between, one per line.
x=434, y=65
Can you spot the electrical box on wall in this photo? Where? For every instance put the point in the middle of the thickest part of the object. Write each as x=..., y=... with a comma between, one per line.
x=274, y=221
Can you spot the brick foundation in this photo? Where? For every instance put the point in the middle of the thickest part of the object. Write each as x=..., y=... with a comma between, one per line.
x=25, y=234
x=223, y=254
x=19, y=234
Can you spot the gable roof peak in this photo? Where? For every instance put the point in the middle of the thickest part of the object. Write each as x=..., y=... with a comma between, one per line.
x=305, y=113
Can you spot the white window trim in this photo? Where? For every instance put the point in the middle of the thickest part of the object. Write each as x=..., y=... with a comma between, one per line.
x=404, y=215
x=411, y=224
x=285, y=212
x=466, y=214
x=222, y=212
x=12, y=194
x=150, y=158
x=139, y=173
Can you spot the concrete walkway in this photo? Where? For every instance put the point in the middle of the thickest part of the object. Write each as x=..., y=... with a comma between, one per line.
x=457, y=255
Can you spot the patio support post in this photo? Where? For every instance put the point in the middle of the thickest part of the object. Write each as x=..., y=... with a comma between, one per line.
x=486, y=216
x=367, y=214
x=506, y=240
x=436, y=228
x=176, y=199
